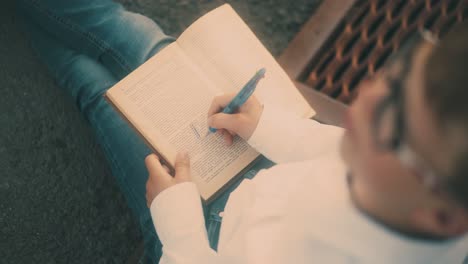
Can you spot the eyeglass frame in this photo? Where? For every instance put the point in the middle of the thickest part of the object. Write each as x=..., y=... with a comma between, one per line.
x=404, y=153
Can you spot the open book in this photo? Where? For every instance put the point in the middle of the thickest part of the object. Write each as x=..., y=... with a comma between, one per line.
x=167, y=98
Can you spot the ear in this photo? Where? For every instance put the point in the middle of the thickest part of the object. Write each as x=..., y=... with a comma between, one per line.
x=448, y=221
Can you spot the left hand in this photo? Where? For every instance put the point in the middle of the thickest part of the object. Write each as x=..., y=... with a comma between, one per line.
x=159, y=178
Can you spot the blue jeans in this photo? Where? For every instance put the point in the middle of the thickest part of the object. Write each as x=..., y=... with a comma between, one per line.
x=88, y=46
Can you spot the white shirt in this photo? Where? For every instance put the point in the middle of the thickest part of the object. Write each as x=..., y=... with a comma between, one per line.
x=298, y=211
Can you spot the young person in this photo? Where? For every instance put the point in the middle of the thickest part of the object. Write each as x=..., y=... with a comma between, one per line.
x=398, y=195
x=395, y=190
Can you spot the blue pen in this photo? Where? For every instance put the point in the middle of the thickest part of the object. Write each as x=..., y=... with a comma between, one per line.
x=243, y=94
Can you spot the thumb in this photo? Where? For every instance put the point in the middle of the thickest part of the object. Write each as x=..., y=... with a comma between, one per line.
x=155, y=169
x=226, y=121
x=182, y=166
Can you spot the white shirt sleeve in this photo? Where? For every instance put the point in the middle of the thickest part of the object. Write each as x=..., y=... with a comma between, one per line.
x=178, y=218
x=284, y=137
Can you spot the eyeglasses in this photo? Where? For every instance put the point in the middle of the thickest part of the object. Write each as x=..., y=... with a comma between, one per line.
x=389, y=120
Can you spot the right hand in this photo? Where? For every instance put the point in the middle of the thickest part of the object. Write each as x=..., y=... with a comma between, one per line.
x=242, y=123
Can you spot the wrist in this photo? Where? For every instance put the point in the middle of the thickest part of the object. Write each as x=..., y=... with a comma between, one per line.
x=255, y=121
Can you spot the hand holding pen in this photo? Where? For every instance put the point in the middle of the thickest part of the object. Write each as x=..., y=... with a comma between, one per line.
x=240, y=112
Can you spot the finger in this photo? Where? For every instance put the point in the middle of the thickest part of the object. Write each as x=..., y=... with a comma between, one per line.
x=182, y=166
x=166, y=168
x=155, y=168
x=149, y=192
x=228, y=139
x=222, y=120
x=221, y=132
x=219, y=102
x=148, y=202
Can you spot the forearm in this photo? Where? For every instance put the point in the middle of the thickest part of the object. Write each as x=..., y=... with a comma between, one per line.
x=178, y=218
x=283, y=137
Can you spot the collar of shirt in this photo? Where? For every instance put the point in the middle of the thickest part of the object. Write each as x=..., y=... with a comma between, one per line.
x=310, y=217
x=336, y=221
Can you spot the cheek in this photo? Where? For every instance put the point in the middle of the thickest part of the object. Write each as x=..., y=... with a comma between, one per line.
x=379, y=173
x=372, y=185
x=372, y=170
x=376, y=175
x=357, y=150
x=381, y=182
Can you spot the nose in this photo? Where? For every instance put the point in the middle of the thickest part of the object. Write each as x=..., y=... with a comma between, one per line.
x=370, y=92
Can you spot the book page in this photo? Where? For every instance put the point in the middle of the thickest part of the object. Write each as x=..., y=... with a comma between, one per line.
x=167, y=100
x=229, y=53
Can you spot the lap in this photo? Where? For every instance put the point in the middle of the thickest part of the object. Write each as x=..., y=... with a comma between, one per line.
x=87, y=57
x=101, y=29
